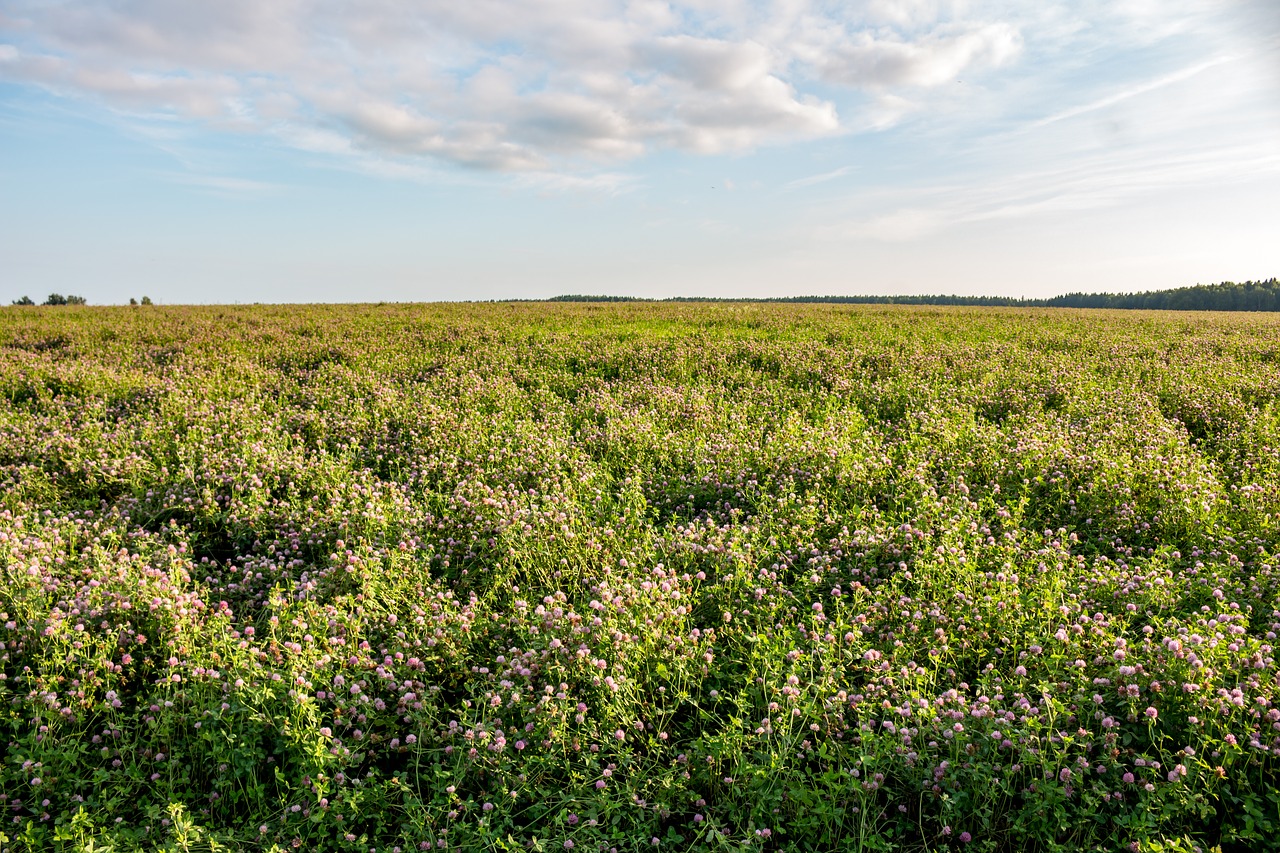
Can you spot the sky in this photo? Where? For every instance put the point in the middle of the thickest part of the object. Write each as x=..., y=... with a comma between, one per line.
x=319, y=151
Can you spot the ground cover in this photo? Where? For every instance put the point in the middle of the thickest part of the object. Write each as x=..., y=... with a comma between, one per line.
x=624, y=577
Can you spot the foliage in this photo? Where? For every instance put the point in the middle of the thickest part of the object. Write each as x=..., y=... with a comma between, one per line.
x=617, y=577
x=59, y=299
x=1227, y=296
x=581, y=298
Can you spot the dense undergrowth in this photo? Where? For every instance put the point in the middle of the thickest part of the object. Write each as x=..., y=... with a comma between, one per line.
x=547, y=577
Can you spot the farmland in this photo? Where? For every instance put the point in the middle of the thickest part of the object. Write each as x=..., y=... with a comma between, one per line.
x=634, y=576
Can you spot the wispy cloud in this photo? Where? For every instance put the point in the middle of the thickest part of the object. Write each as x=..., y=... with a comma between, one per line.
x=898, y=226
x=821, y=178
x=576, y=87
x=1091, y=183
x=569, y=86
x=226, y=186
x=1130, y=92
x=936, y=58
x=603, y=183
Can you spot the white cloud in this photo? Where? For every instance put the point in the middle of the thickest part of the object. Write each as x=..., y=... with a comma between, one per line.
x=1131, y=92
x=563, y=86
x=822, y=178
x=1103, y=181
x=559, y=85
x=872, y=61
x=230, y=187
x=603, y=183
x=711, y=64
x=900, y=226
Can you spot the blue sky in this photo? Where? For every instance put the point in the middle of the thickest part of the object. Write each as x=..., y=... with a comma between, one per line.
x=304, y=150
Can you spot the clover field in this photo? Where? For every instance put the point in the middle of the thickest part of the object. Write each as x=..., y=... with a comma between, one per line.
x=631, y=577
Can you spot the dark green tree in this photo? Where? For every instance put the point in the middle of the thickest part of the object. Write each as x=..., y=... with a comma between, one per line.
x=59, y=299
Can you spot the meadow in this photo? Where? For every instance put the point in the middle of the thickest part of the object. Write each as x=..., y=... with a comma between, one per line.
x=629, y=577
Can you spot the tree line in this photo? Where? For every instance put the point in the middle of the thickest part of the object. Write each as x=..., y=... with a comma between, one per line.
x=54, y=299
x=59, y=299
x=1225, y=296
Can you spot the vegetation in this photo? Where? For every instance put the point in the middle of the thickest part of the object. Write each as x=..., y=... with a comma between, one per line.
x=581, y=298
x=623, y=577
x=1227, y=296
x=54, y=299
x=59, y=299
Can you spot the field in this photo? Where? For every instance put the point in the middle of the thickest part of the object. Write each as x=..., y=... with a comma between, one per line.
x=632, y=577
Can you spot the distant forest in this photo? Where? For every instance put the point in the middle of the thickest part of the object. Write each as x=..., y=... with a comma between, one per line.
x=1226, y=296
